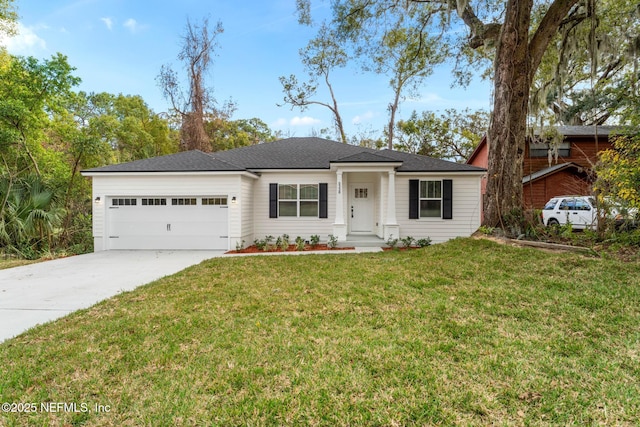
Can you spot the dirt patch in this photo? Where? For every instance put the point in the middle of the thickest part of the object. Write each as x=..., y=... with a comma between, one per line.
x=547, y=246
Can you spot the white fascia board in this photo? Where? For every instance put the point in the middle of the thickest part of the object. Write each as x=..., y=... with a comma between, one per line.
x=298, y=171
x=201, y=173
x=365, y=167
x=442, y=173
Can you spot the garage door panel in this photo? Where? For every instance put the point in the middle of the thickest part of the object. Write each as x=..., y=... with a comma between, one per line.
x=168, y=227
x=167, y=243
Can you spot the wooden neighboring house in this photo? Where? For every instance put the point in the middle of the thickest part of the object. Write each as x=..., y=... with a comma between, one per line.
x=297, y=186
x=547, y=176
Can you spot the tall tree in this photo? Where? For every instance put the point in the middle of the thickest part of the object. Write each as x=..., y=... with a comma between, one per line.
x=320, y=58
x=520, y=31
x=408, y=54
x=30, y=91
x=199, y=44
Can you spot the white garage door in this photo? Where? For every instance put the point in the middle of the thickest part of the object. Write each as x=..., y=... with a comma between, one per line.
x=182, y=222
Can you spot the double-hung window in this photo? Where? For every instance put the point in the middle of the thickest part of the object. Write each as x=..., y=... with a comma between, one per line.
x=430, y=199
x=298, y=200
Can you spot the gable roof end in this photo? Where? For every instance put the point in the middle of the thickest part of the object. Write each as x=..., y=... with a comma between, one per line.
x=365, y=157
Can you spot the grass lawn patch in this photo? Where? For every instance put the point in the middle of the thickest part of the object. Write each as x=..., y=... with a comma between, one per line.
x=464, y=333
x=14, y=262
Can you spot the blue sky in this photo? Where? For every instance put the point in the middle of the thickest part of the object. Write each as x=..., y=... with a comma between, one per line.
x=118, y=46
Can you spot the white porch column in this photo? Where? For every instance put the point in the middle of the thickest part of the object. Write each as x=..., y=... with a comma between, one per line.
x=339, y=226
x=391, y=199
x=383, y=185
x=391, y=227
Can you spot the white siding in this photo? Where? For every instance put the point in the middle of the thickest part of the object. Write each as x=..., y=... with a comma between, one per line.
x=294, y=227
x=466, y=209
x=164, y=185
x=246, y=203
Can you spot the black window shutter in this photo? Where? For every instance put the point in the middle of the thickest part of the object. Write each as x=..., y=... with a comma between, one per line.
x=414, y=202
x=447, y=199
x=273, y=200
x=324, y=196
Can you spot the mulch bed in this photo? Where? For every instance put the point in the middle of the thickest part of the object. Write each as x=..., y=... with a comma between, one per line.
x=292, y=248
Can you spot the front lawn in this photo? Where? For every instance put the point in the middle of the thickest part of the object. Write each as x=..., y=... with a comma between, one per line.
x=8, y=262
x=464, y=333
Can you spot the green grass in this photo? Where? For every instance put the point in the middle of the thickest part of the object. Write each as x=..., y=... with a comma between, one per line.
x=463, y=333
x=13, y=262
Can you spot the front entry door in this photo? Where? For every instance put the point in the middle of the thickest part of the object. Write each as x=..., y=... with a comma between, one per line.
x=361, y=208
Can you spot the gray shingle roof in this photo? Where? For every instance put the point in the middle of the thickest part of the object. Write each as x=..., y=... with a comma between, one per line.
x=587, y=130
x=550, y=170
x=365, y=157
x=187, y=161
x=291, y=153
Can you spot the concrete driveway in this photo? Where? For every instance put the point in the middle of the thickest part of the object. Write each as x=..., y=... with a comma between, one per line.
x=46, y=291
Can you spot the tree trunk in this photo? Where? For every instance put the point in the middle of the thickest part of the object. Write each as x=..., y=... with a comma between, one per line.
x=393, y=108
x=516, y=62
x=506, y=136
x=335, y=111
x=192, y=133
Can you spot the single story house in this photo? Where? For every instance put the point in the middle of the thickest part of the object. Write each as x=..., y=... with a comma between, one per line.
x=296, y=186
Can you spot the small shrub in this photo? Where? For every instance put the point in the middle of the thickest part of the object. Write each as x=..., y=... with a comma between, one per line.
x=239, y=245
x=299, y=243
x=391, y=242
x=268, y=241
x=486, y=230
x=421, y=243
x=332, y=243
x=566, y=230
x=407, y=242
x=314, y=240
x=260, y=244
x=283, y=242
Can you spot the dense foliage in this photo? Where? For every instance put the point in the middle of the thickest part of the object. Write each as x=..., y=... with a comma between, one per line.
x=48, y=134
x=619, y=170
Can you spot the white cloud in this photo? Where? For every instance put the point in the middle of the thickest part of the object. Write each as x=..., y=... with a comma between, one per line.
x=108, y=22
x=304, y=121
x=25, y=42
x=133, y=25
x=431, y=97
x=366, y=117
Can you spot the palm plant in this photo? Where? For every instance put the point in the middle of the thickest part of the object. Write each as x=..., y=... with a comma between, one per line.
x=29, y=216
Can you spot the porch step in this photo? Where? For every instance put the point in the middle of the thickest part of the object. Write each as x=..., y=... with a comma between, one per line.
x=362, y=241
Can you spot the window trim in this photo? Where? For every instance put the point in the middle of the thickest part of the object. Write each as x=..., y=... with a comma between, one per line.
x=541, y=149
x=321, y=200
x=446, y=193
x=427, y=198
x=299, y=200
